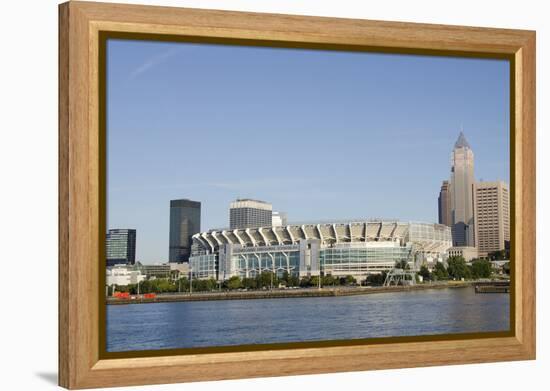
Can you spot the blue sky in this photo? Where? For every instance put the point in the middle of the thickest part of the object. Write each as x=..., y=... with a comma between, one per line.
x=319, y=134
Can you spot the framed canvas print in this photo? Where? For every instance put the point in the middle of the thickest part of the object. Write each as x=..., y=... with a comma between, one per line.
x=247, y=195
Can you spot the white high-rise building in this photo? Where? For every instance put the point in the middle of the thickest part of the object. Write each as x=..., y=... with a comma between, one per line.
x=248, y=213
x=278, y=219
x=461, y=197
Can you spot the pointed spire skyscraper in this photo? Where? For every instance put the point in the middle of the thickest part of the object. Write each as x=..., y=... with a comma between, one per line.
x=461, y=188
x=461, y=142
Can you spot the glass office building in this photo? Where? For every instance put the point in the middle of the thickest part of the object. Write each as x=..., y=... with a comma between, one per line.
x=340, y=249
x=121, y=247
x=185, y=221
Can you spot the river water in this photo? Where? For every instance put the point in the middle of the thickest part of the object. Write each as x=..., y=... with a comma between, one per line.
x=238, y=322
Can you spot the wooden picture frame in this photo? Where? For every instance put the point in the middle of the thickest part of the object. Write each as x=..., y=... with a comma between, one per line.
x=81, y=192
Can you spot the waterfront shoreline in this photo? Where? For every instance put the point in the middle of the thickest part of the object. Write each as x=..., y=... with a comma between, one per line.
x=286, y=293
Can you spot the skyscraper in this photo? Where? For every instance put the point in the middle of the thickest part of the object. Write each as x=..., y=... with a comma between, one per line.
x=120, y=247
x=185, y=221
x=461, y=186
x=248, y=213
x=492, y=216
x=278, y=219
x=444, y=204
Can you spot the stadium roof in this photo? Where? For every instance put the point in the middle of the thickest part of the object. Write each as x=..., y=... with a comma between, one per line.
x=428, y=235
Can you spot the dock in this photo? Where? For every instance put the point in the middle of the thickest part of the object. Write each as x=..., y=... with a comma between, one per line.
x=492, y=287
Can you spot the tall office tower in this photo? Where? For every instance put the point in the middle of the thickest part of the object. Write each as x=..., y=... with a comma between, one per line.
x=121, y=247
x=185, y=221
x=247, y=213
x=492, y=216
x=444, y=204
x=278, y=219
x=462, y=180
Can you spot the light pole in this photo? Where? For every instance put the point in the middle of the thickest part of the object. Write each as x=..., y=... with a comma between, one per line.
x=190, y=280
x=139, y=269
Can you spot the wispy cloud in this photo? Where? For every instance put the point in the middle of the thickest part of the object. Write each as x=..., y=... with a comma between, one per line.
x=154, y=61
x=242, y=185
x=265, y=183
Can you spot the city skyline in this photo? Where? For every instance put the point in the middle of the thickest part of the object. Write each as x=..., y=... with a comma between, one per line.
x=385, y=151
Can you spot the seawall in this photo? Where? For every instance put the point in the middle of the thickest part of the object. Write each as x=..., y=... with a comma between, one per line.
x=284, y=293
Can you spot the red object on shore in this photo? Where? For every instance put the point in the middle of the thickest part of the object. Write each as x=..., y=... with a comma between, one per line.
x=149, y=295
x=121, y=295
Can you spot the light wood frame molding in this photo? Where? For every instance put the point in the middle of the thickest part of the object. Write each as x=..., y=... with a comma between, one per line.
x=80, y=364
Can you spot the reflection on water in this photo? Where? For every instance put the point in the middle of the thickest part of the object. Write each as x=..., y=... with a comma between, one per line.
x=238, y=322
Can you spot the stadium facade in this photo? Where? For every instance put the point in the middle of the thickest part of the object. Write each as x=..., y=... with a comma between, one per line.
x=356, y=248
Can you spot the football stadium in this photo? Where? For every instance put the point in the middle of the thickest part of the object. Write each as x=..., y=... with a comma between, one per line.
x=355, y=248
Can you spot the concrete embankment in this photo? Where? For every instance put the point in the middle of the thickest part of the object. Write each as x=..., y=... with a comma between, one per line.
x=283, y=293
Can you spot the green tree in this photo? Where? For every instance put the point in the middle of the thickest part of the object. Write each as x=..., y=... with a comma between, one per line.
x=506, y=268
x=286, y=277
x=234, y=282
x=211, y=284
x=169, y=285
x=204, y=285
x=305, y=282
x=440, y=272
x=349, y=279
x=266, y=278
x=457, y=268
x=481, y=268
x=376, y=279
x=402, y=264
x=329, y=280
x=249, y=283
x=132, y=288
x=497, y=255
x=198, y=285
x=314, y=281
x=183, y=284
x=293, y=281
x=425, y=273
x=124, y=288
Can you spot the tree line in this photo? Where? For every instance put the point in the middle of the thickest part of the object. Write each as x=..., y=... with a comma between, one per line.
x=456, y=269
x=264, y=280
x=164, y=285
